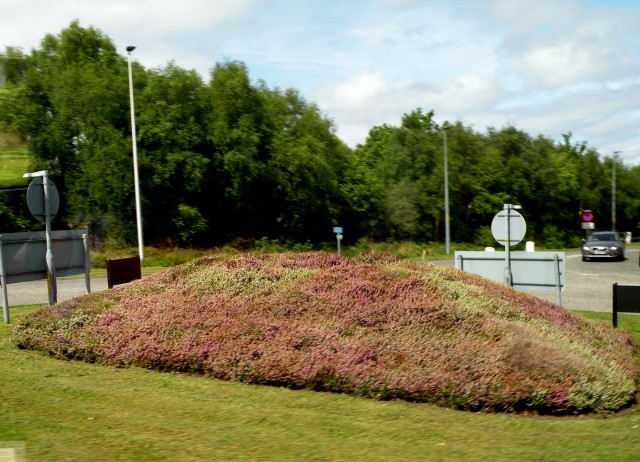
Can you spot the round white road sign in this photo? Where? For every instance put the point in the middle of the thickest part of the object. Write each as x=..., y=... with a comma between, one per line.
x=517, y=227
x=35, y=198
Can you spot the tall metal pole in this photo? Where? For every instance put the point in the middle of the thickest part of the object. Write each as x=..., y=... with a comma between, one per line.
x=447, y=231
x=3, y=283
x=508, y=277
x=136, y=181
x=51, y=267
x=613, y=190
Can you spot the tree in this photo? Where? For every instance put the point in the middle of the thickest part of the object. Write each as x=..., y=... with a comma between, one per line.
x=307, y=165
x=365, y=184
x=475, y=183
x=76, y=83
x=237, y=153
x=172, y=164
x=14, y=104
x=232, y=159
x=12, y=219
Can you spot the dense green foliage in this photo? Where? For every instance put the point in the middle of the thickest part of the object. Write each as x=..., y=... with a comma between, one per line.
x=13, y=158
x=371, y=326
x=229, y=158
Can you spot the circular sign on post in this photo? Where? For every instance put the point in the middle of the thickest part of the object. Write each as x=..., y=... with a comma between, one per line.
x=587, y=216
x=517, y=227
x=35, y=198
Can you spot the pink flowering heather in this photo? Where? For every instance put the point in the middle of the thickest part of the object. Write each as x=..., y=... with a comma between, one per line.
x=371, y=326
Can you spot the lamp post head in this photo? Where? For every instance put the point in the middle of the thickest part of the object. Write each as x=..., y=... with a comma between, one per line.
x=511, y=207
x=35, y=174
x=130, y=48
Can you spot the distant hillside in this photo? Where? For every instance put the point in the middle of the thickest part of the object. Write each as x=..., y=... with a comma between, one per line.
x=15, y=160
x=371, y=326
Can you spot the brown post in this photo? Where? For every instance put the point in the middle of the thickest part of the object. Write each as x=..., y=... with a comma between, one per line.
x=615, y=304
x=123, y=270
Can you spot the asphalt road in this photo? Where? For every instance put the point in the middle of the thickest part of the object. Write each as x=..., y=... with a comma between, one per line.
x=34, y=292
x=589, y=285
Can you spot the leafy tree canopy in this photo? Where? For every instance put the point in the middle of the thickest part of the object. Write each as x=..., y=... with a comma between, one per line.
x=231, y=158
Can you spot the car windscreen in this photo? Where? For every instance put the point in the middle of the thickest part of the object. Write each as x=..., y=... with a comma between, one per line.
x=608, y=237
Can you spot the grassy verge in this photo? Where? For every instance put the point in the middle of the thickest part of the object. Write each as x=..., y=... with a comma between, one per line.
x=15, y=159
x=153, y=257
x=76, y=411
x=165, y=257
x=627, y=321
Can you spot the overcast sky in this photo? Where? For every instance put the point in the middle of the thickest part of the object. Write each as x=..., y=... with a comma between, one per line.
x=546, y=67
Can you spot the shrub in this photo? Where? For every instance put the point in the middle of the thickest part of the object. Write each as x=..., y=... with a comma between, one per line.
x=371, y=326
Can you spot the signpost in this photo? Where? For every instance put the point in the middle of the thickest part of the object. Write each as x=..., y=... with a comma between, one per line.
x=338, y=231
x=21, y=257
x=626, y=298
x=533, y=270
x=587, y=219
x=43, y=203
x=508, y=228
x=36, y=197
x=21, y=254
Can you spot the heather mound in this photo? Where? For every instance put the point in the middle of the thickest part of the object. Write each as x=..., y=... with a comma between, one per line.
x=372, y=326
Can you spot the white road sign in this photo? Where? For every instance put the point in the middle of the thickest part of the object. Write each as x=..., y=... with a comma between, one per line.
x=517, y=227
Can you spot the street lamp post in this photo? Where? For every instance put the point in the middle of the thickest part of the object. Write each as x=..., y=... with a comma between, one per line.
x=136, y=181
x=613, y=190
x=447, y=231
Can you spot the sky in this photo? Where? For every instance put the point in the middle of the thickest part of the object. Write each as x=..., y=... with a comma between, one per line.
x=546, y=67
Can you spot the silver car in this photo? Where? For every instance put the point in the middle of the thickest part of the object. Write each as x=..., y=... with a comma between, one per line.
x=603, y=244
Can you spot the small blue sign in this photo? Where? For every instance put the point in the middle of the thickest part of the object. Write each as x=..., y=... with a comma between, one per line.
x=337, y=229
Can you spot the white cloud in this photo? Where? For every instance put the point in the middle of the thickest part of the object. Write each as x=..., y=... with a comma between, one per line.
x=159, y=26
x=361, y=88
x=553, y=44
x=370, y=99
x=547, y=67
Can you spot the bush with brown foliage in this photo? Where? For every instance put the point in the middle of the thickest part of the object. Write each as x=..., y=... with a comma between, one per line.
x=370, y=326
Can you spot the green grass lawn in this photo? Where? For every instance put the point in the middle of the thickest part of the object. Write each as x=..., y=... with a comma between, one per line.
x=15, y=163
x=628, y=322
x=76, y=411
